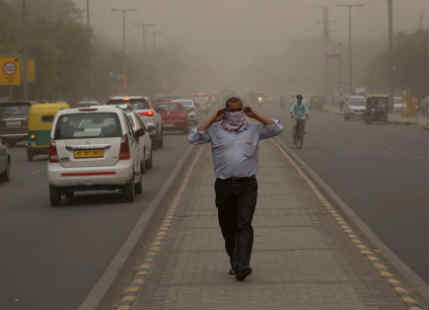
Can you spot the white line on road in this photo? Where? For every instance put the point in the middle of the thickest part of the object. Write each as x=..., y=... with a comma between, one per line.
x=111, y=272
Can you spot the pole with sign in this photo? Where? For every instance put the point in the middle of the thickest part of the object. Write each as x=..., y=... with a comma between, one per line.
x=10, y=71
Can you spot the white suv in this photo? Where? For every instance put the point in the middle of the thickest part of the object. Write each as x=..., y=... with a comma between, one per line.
x=93, y=148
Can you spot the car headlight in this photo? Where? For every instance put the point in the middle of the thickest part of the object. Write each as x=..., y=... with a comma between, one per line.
x=260, y=98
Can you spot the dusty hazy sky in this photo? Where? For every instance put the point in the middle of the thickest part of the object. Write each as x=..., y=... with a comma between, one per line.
x=243, y=29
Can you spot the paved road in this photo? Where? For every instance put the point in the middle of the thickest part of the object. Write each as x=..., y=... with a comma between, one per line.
x=381, y=172
x=53, y=257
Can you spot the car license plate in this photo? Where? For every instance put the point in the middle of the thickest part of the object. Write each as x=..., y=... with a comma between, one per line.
x=13, y=124
x=89, y=154
x=168, y=125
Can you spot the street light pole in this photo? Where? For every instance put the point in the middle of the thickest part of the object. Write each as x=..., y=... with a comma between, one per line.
x=124, y=38
x=88, y=14
x=350, y=7
x=391, y=64
x=24, y=49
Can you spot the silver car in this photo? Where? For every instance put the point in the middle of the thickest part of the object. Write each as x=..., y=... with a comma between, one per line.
x=144, y=107
x=5, y=162
x=144, y=140
x=355, y=107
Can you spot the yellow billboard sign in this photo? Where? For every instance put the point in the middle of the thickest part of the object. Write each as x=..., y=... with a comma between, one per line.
x=31, y=70
x=10, y=71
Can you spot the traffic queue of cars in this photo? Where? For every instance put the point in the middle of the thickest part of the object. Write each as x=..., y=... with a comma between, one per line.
x=93, y=146
x=370, y=108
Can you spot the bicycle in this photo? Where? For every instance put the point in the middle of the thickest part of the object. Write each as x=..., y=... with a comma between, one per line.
x=299, y=132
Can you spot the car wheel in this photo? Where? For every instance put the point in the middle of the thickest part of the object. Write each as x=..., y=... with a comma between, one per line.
x=69, y=196
x=29, y=155
x=139, y=185
x=54, y=196
x=5, y=176
x=149, y=162
x=130, y=191
x=11, y=143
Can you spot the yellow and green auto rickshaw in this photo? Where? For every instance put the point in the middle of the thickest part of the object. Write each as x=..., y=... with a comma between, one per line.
x=40, y=118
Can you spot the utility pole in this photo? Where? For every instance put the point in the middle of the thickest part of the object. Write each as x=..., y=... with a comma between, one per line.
x=391, y=64
x=350, y=7
x=124, y=38
x=88, y=15
x=326, y=37
x=24, y=50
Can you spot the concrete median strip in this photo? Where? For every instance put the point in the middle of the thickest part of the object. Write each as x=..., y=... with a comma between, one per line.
x=129, y=295
x=111, y=272
x=413, y=283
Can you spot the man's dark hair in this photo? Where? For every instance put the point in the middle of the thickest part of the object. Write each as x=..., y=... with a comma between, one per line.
x=232, y=100
x=299, y=97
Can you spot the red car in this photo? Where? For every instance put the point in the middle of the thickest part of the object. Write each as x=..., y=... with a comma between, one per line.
x=174, y=116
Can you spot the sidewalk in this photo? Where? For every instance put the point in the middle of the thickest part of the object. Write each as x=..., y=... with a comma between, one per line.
x=394, y=118
x=301, y=258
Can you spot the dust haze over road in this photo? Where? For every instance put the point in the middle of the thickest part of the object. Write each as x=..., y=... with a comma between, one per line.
x=227, y=39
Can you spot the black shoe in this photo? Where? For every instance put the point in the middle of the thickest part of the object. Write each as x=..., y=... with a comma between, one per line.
x=231, y=272
x=242, y=274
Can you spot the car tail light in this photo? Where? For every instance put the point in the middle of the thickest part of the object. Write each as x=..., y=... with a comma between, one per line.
x=124, y=152
x=53, y=155
x=147, y=113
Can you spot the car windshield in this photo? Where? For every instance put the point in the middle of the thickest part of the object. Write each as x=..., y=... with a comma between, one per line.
x=11, y=110
x=88, y=125
x=170, y=106
x=136, y=104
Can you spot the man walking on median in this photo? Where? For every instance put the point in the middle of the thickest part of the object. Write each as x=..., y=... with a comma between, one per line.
x=235, y=144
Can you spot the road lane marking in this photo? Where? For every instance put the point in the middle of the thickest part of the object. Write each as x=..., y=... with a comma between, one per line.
x=157, y=242
x=405, y=298
x=103, y=284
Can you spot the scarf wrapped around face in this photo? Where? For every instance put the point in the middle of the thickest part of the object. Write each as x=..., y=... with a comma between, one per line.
x=234, y=121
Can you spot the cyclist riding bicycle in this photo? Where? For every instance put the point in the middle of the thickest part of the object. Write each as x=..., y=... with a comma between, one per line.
x=299, y=112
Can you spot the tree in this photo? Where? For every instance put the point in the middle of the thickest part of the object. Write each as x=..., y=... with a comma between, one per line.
x=410, y=65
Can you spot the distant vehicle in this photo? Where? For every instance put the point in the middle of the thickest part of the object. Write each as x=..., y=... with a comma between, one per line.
x=85, y=103
x=202, y=100
x=355, y=107
x=174, y=116
x=146, y=109
x=144, y=141
x=398, y=104
x=93, y=148
x=377, y=108
x=14, y=121
x=257, y=98
x=192, y=110
x=40, y=119
x=5, y=162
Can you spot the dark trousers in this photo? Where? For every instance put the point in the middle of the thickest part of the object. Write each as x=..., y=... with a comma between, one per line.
x=236, y=203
